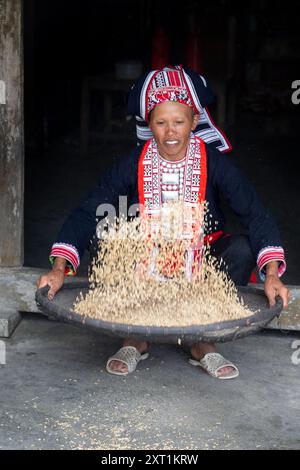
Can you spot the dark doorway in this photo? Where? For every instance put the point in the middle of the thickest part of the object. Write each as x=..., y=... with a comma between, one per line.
x=253, y=47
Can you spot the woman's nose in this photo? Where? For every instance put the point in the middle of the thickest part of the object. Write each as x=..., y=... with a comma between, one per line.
x=170, y=129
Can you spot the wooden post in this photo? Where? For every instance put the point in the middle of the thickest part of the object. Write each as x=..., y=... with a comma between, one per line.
x=11, y=134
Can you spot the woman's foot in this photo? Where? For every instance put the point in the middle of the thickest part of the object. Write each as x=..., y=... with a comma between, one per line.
x=141, y=346
x=198, y=351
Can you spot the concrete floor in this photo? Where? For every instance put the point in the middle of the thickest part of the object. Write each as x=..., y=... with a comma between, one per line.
x=55, y=394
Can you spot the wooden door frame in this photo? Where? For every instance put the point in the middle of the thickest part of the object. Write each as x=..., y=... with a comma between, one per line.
x=11, y=134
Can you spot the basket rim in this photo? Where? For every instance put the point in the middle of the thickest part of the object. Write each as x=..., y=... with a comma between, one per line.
x=52, y=309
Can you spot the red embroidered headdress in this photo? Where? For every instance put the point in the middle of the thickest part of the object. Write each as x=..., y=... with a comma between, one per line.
x=168, y=84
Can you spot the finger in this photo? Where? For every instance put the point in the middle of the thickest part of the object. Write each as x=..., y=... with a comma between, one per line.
x=50, y=295
x=52, y=291
x=53, y=288
x=284, y=294
x=271, y=297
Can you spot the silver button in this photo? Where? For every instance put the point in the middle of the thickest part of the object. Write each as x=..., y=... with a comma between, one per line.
x=170, y=178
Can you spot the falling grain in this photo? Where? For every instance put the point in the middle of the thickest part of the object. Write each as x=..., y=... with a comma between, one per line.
x=142, y=279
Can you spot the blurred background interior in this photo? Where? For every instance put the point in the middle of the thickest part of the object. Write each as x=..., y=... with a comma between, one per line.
x=82, y=56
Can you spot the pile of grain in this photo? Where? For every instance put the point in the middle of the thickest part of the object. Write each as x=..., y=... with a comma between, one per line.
x=125, y=289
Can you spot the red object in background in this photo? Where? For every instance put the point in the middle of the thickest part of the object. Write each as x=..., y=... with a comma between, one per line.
x=194, y=52
x=160, y=49
x=253, y=278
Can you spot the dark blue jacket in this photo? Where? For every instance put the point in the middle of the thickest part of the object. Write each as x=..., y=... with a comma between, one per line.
x=222, y=177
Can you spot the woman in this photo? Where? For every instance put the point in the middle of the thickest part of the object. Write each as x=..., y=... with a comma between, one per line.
x=176, y=165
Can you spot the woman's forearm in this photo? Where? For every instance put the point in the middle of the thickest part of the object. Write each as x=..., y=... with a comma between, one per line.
x=272, y=268
x=59, y=264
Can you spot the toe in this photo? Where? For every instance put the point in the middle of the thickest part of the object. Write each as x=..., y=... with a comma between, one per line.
x=118, y=366
x=225, y=370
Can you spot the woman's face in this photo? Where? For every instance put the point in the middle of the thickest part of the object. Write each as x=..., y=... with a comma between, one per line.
x=171, y=124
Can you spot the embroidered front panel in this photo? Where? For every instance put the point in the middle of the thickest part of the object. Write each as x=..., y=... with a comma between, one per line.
x=161, y=177
x=164, y=181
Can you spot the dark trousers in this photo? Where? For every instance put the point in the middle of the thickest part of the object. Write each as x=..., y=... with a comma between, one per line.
x=238, y=260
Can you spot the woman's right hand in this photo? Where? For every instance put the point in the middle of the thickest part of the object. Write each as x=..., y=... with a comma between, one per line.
x=54, y=278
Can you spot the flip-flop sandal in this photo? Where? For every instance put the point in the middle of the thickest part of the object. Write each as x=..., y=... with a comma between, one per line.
x=130, y=356
x=213, y=362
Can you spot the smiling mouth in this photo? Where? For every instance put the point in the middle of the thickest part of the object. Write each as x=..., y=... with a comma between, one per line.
x=172, y=142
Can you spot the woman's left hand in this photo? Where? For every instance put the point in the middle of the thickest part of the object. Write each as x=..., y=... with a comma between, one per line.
x=274, y=287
